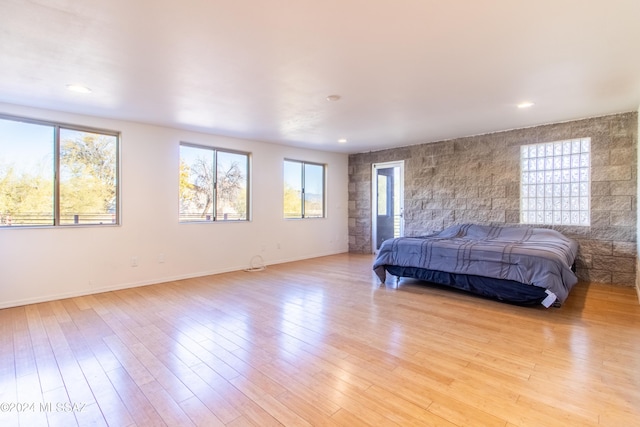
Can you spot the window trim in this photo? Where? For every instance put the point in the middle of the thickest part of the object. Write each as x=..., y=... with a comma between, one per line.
x=55, y=152
x=302, y=193
x=214, y=217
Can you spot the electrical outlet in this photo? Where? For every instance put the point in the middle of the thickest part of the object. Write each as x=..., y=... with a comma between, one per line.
x=134, y=261
x=161, y=258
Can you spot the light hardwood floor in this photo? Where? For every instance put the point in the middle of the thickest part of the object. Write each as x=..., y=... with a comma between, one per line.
x=320, y=342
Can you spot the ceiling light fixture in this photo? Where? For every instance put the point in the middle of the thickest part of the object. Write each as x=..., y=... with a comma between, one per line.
x=525, y=104
x=78, y=88
x=333, y=98
x=342, y=141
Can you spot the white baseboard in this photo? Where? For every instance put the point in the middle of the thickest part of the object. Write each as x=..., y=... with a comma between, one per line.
x=119, y=286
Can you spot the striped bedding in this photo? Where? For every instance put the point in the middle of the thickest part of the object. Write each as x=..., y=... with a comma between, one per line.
x=534, y=256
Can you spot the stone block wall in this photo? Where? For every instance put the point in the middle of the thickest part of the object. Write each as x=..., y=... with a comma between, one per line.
x=477, y=179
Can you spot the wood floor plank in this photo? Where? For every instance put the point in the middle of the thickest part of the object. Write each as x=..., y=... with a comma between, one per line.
x=52, y=400
x=413, y=414
x=105, y=394
x=8, y=381
x=267, y=402
x=297, y=385
x=59, y=311
x=138, y=405
x=28, y=392
x=321, y=342
x=162, y=375
x=208, y=395
x=136, y=370
x=168, y=408
x=75, y=383
x=48, y=368
x=227, y=402
x=307, y=411
x=345, y=418
x=199, y=413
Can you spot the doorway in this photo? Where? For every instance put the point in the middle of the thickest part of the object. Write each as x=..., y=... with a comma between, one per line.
x=388, y=202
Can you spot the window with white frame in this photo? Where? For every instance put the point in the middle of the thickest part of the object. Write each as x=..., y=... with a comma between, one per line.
x=57, y=175
x=303, y=189
x=214, y=184
x=555, y=184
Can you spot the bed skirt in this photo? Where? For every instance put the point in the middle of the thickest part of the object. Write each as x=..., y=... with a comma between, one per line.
x=502, y=290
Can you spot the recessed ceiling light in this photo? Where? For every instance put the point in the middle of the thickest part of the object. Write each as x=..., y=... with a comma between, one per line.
x=79, y=88
x=342, y=140
x=333, y=98
x=525, y=104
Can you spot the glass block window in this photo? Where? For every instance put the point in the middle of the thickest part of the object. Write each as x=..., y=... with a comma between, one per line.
x=555, y=184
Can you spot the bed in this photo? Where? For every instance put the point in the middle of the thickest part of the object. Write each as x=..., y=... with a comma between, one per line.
x=520, y=265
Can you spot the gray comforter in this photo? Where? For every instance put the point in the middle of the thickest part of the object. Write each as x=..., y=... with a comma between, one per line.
x=535, y=256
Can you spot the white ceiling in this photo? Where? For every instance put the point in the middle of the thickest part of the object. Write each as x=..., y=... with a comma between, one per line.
x=407, y=71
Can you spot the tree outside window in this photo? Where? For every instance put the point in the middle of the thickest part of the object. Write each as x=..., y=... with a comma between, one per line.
x=54, y=174
x=214, y=184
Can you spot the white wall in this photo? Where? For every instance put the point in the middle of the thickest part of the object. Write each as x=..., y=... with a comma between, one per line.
x=49, y=263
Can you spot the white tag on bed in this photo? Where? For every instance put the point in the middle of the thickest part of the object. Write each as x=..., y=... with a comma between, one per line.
x=550, y=299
